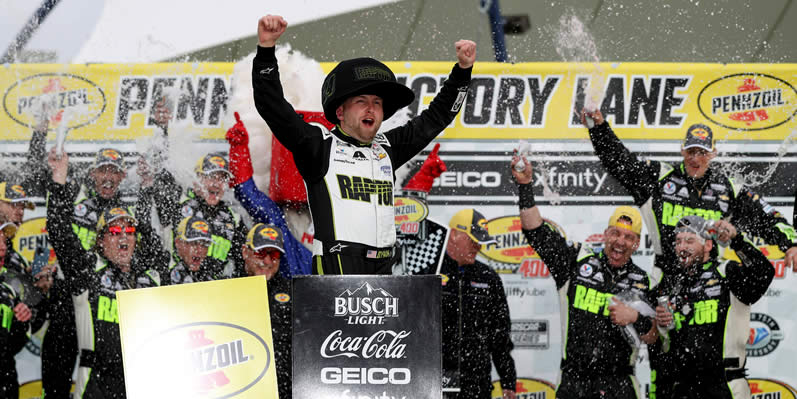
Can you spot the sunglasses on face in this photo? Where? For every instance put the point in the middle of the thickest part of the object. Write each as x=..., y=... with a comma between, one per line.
x=117, y=230
x=270, y=253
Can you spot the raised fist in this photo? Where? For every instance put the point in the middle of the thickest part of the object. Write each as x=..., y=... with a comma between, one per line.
x=269, y=29
x=466, y=53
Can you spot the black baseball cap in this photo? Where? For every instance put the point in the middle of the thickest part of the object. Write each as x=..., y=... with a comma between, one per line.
x=363, y=76
x=263, y=236
x=14, y=193
x=108, y=156
x=109, y=215
x=193, y=228
x=213, y=162
x=700, y=136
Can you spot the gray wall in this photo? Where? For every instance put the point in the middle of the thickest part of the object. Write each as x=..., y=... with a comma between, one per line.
x=726, y=31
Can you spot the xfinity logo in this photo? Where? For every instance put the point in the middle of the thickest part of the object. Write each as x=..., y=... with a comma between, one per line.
x=366, y=305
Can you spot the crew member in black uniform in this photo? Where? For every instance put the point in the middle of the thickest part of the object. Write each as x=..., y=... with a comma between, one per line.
x=94, y=277
x=14, y=316
x=597, y=357
x=476, y=322
x=203, y=199
x=349, y=171
x=191, y=242
x=262, y=255
x=711, y=303
x=665, y=193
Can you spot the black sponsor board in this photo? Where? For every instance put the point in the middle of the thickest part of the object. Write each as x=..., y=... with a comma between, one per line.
x=482, y=179
x=367, y=337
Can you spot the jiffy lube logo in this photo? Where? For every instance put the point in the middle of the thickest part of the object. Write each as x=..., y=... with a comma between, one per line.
x=205, y=359
x=748, y=101
x=366, y=305
x=69, y=99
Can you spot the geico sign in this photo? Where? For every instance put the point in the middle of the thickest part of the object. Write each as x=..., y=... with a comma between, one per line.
x=468, y=179
x=356, y=375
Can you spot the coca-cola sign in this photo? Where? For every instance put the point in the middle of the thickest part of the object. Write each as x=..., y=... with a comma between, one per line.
x=383, y=344
x=367, y=337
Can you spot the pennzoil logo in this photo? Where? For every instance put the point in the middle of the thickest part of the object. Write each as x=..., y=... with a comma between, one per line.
x=527, y=388
x=200, y=226
x=207, y=359
x=112, y=154
x=269, y=233
x=61, y=93
x=218, y=161
x=117, y=211
x=748, y=101
x=18, y=189
x=408, y=210
x=511, y=248
x=282, y=297
x=762, y=388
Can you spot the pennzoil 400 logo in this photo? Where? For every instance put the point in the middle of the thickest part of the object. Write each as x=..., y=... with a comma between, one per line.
x=60, y=93
x=762, y=388
x=512, y=253
x=528, y=388
x=208, y=359
x=748, y=101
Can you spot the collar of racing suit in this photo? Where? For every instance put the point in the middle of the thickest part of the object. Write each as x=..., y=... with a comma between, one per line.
x=339, y=133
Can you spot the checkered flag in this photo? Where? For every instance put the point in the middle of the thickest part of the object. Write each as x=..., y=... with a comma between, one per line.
x=426, y=256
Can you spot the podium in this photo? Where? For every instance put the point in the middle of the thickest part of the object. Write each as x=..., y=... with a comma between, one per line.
x=367, y=337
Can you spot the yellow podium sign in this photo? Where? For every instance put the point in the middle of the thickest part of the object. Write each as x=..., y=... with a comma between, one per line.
x=202, y=340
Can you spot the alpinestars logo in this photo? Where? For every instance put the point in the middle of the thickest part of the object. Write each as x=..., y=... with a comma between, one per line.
x=366, y=305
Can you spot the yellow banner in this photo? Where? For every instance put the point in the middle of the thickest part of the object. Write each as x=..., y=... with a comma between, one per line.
x=112, y=101
x=210, y=340
x=507, y=101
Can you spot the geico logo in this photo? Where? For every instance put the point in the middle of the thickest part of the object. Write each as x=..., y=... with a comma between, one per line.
x=366, y=347
x=217, y=357
x=468, y=179
x=366, y=306
x=375, y=376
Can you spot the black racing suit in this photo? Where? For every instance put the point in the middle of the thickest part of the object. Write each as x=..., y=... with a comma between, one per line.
x=94, y=282
x=13, y=336
x=60, y=346
x=711, y=306
x=279, y=306
x=665, y=194
x=596, y=356
x=350, y=184
x=476, y=328
x=226, y=226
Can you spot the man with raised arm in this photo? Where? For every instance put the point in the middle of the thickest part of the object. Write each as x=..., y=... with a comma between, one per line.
x=349, y=171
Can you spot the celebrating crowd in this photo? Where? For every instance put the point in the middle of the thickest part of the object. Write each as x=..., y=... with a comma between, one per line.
x=104, y=243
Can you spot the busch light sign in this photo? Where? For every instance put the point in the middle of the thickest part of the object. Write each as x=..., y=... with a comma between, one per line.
x=367, y=337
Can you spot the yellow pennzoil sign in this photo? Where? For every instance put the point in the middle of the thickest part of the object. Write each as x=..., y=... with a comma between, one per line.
x=511, y=246
x=761, y=388
x=527, y=388
x=209, y=340
x=648, y=101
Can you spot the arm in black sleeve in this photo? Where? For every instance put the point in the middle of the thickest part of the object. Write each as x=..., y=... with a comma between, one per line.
x=164, y=194
x=35, y=171
x=408, y=140
x=750, y=213
x=18, y=335
x=749, y=280
x=637, y=176
x=554, y=251
x=303, y=140
x=72, y=258
x=501, y=345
